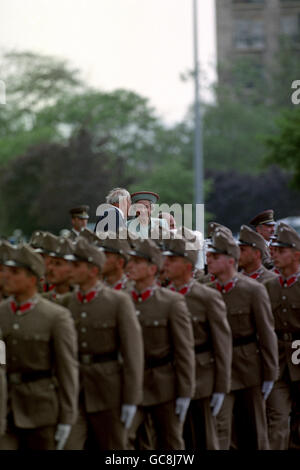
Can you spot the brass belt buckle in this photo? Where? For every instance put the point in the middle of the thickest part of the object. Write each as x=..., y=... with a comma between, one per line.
x=86, y=359
x=15, y=378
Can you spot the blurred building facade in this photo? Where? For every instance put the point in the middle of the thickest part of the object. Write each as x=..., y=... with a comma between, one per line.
x=252, y=29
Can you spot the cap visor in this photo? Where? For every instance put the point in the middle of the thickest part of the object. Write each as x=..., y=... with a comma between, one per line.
x=39, y=250
x=283, y=245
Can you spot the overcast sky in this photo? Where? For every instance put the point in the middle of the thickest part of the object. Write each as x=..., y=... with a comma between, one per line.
x=141, y=45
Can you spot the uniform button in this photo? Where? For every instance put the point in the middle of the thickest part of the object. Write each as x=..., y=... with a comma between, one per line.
x=16, y=326
x=104, y=325
x=83, y=330
x=83, y=314
x=140, y=299
x=223, y=291
x=285, y=286
x=211, y=359
x=137, y=312
x=14, y=341
x=14, y=358
x=156, y=323
x=84, y=344
x=51, y=386
x=285, y=323
x=283, y=297
x=284, y=310
x=84, y=301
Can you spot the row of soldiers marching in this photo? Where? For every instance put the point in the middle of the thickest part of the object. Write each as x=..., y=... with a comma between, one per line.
x=118, y=342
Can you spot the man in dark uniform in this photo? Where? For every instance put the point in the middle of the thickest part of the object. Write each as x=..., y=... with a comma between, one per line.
x=284, y=292
x=252, y=246
x=42, y=368
x=169, y=375
x=213, y=345
x=79, y=220
x=110, y=354
x=255, y=351
x=264, y=224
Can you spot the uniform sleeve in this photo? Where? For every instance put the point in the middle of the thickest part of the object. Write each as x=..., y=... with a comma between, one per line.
x=183, y=347
x=222, y=341
x=132, y=350
x=267, y=338
x=3, y=388
x=66, y=365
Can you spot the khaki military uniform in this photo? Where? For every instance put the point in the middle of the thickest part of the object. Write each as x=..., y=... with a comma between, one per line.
x=73, y=235
x=145, y=438
x=286, y=310
x=266, y=258
x=262, y=275
x=111, y=365
x=213, y=348
x=3, y=387
x=42, y=373
x=169, y=363
x=255, y=358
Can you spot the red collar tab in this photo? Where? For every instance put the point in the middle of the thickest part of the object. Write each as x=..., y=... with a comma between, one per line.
x=142, y=296
x=120, y=284
x=255, y=274
x=212, y=278
x=276, y=271
x=48, y=287
x=84, y=299
x=224, y=289
x=289, y=281
x=89, y=296
x=183, y=289
x=24, y=307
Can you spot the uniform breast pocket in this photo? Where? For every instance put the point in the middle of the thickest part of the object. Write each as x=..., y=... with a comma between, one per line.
x=200, y=326
x=155, y=332
x=34, y=349
x=103, y=334
x=240, y=320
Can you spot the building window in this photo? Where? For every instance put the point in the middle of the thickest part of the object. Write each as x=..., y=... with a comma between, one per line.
x=249, y=34
x=290, y=27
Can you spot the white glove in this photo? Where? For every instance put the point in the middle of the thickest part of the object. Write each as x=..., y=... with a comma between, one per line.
x=61, y=435
x=216, y=402
x=267, y=388
x=181, y=408
x=127, y=415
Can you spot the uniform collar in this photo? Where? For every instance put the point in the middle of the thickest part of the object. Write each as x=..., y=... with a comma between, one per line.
x=184, y=289
x=144, y=295
x=289, y=281
x=24, y=307
x=119, y=285
x=226, y=288
x=86, y=297
x=255, y=274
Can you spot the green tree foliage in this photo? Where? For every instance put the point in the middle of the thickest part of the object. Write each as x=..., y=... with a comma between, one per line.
x=38, y=188
x=284, y=145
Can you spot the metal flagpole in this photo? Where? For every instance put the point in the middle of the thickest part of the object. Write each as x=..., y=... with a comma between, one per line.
x=198, y=145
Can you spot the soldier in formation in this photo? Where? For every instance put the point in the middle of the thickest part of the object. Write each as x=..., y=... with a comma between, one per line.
x=160, y=368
